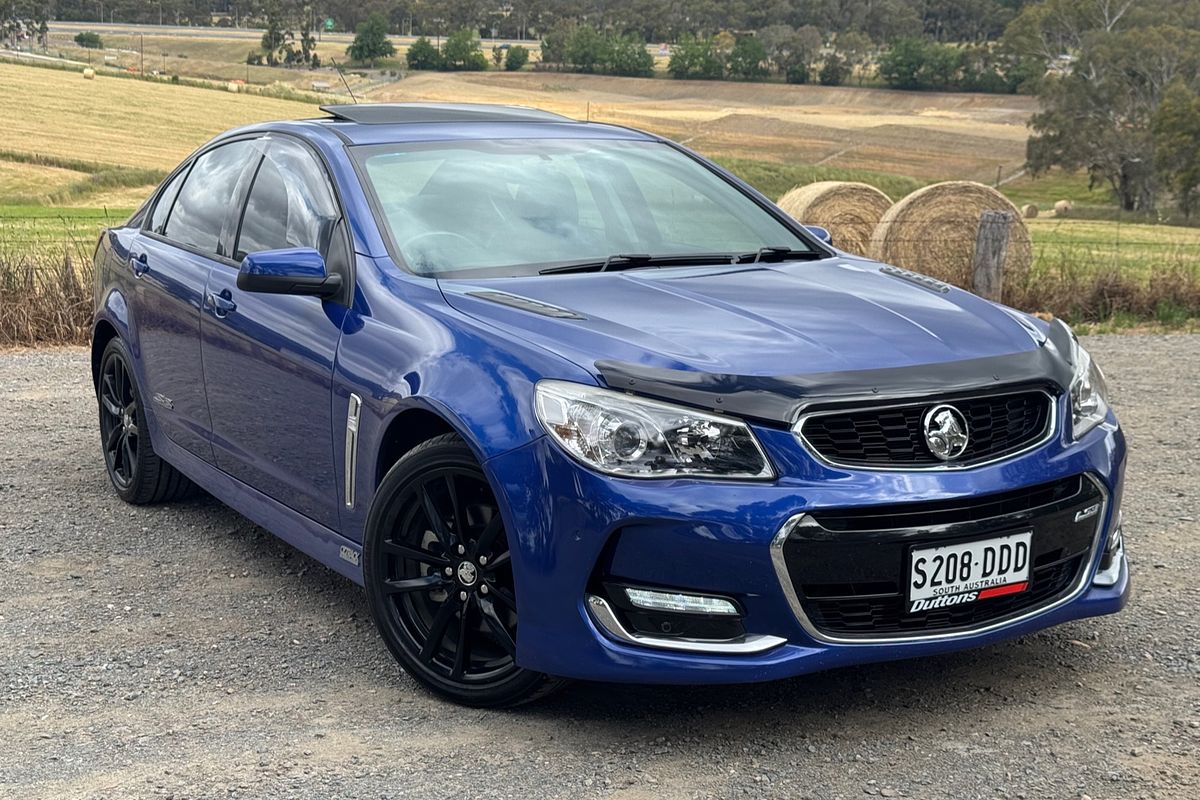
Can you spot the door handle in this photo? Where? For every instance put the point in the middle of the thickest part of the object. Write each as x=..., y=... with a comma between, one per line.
x=139, y=264
x=222, y=303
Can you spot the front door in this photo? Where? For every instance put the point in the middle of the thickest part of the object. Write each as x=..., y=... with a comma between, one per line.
x=268, y=358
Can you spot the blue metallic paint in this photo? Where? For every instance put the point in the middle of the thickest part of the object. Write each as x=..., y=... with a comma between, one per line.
x=279, y=371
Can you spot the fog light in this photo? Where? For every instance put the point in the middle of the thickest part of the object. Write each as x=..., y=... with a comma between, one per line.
x=683, y=603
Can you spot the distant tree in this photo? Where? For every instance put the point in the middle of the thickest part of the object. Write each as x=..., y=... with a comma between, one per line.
x=584, y=49
x=89, y=40
x=463, y=52
x=498, y=56
x=626, y=56
x=903, y=65
x=1176, y=128
x=276, y=37
x=696, y=58
x=1099, y=115
x=747, y=60
x=834, y=70
x=423, y=55
x=371, y=40
x=554, y=45
x=856, y=47
x=798, y=54
x=516, y=58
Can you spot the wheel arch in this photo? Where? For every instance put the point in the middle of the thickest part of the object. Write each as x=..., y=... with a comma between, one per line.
x=103, y=333
x=406, y=429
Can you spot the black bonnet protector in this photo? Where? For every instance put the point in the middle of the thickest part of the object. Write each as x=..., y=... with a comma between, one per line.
x=779, y=399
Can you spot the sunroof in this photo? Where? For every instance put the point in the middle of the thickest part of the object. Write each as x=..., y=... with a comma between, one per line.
x=391, y=113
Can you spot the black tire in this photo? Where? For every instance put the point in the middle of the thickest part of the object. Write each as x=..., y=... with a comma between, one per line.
x=137, y=473
x=439, y=579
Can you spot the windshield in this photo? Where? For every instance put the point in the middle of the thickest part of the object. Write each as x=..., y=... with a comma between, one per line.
x=516, y=206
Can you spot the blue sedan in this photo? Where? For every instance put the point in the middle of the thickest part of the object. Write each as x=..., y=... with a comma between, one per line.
x=570, y=401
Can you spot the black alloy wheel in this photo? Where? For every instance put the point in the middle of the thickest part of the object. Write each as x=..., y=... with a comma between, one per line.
x=439, y=577
x=137, y=473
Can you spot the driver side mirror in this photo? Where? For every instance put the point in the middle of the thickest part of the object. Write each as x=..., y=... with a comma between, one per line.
x=293, y=270
x=823, y=235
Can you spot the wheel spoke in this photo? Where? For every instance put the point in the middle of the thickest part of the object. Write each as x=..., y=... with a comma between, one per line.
x=436, y=522
x=496, y=626
x=462, y=650
x=498, y=562
x=108, y=396
x=414, y=554
x=130, y=457
x=457, y=512
x=493, y=529
x=423, y=583
x=503, y=596
x=437, y=629
x=113, y=439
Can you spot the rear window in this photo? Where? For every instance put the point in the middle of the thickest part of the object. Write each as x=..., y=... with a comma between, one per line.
x=204, y=201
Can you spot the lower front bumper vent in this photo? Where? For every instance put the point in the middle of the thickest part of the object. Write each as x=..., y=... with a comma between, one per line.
x=845, y=571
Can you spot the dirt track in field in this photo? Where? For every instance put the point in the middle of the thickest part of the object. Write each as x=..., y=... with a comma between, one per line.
x=182, y=652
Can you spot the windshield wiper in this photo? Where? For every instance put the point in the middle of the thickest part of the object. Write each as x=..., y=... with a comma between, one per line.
x=776, y=253
x=621, y=261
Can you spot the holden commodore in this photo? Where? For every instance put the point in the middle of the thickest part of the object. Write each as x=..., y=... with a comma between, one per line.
x=570, y=401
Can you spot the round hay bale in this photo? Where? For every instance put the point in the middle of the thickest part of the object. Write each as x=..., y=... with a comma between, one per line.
x=1063, y=208
x=1029, y=211
x=89, y=74
x=232, y=87
x=850, y=211
x=933, y=231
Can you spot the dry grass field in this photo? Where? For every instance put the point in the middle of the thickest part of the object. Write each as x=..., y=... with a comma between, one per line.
x=87, y=152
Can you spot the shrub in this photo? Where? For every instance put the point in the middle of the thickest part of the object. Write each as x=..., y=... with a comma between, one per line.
x=89, y=39
x=516, y=58
x=463, y=52
x=696, y=58
x=627, y=56
x=747, y=60
x=584, y=49
x=797, y=73
x=834, y=71
x=423, y=55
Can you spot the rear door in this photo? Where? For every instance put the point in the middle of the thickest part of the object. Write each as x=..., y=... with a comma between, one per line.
x=268, y=358
x=170, y=260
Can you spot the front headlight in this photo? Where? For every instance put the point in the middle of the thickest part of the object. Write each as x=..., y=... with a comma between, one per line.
x=1089, y=393
x=637, y=438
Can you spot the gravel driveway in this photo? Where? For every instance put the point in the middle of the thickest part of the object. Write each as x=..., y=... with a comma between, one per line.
x=182, y=652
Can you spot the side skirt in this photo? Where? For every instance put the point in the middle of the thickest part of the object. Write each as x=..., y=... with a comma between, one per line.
x=327, y=546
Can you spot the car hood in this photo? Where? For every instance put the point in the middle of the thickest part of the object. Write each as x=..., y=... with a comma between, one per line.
x=756, y=320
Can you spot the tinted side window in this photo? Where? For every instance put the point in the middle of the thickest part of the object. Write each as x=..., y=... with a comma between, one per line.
x=158, y=220
x=206, y=195
x=290, y=204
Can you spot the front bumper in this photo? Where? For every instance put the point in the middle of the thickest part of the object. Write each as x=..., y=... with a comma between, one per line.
x=569, y=524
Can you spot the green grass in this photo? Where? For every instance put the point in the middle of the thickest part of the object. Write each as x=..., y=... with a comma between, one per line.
x=1046, y=190
x=775, y=179
x=36, y=230
x=1136, y=250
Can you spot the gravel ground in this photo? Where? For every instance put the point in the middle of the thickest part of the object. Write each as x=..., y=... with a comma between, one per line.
x=182, y=652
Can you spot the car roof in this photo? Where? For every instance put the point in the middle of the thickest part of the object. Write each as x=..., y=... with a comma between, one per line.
x=387, y=123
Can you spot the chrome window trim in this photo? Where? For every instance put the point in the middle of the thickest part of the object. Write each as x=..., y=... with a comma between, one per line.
x=603, y=615
x=917, y=400
x=789, y=591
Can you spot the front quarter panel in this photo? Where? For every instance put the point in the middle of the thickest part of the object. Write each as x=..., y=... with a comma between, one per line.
x=405, y=348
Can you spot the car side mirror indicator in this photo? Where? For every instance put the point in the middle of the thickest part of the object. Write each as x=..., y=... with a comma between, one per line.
x=822, y=234
x=293, y=270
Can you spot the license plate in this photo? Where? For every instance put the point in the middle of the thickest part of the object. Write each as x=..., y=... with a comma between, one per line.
x=969, y=571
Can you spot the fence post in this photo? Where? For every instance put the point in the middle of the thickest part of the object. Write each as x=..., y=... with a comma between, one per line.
x=991, y=247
